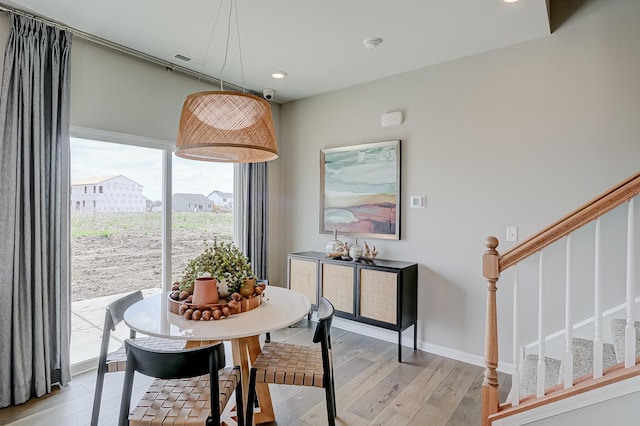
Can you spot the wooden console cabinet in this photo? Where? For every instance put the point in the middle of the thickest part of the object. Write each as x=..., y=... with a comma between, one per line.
x=382, y=293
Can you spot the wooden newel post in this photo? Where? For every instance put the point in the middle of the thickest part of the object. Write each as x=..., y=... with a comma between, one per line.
x=491, y=272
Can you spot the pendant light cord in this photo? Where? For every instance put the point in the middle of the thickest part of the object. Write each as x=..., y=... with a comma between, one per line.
x=240, y=48
x=206, y=53
x=233, y=7
x=226, y=49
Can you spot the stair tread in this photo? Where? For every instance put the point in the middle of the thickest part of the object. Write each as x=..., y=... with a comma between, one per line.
x=583, y=358
x=618, y=326
x=582, y=366
x=612, y=354
x=529, y=375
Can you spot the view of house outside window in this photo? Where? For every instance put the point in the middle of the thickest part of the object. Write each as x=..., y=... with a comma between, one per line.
x=116, y=222
x=202, y=208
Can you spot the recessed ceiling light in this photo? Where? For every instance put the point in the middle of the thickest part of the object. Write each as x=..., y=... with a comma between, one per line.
x=510, y=1
x=279, y=74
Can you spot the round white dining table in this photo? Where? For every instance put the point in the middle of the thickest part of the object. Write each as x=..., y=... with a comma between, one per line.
x=280, y=308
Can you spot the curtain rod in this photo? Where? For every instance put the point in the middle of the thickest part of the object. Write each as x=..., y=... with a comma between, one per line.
x=169, y=66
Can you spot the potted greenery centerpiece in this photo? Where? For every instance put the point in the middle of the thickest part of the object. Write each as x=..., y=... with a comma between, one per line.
x=223, y=261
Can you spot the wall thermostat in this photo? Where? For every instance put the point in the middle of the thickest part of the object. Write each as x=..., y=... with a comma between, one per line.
x=417, y=201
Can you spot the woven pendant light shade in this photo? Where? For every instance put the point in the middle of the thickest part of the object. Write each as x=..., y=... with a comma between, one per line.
x=226, y=127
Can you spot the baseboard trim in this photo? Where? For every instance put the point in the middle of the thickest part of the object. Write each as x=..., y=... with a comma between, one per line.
x=392, y=337
x=84, y=366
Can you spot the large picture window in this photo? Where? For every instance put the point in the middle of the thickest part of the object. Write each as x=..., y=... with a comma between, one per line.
x=201, y=206
x=117, y=208
x=115, y=232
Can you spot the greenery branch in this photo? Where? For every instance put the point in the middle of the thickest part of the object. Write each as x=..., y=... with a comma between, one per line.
x=222, y=261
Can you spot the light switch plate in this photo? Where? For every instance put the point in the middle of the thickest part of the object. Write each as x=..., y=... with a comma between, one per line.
x=417, y=201
x=512, y=233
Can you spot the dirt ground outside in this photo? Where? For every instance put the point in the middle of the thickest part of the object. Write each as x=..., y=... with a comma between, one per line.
x=121, y=252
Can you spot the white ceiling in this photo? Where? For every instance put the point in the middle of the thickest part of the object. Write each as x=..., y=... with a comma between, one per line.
x=319, y=44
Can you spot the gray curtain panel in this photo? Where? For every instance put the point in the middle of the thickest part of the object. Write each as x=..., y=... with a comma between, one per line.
x=252, y=229
x=34, y=211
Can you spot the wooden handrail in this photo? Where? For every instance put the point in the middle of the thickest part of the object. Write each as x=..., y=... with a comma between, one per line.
x=592, y=210
x=493, y=264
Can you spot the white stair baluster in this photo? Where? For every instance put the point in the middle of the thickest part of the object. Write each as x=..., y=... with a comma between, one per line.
x=568, y=345
x=630, y=329
x=515, y=378
x=541, y=343
x=597, y=314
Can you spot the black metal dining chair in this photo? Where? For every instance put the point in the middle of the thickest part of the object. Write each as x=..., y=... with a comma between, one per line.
x=291, y=364
x=187, y=385
x=111, y=362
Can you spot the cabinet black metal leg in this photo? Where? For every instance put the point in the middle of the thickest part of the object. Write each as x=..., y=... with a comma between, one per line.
x=400, y=346
x=415, y=336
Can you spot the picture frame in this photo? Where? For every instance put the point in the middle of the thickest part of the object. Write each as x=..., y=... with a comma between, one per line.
x=360, y=190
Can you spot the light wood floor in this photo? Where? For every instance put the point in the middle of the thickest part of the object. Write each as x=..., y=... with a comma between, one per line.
x=372, y=388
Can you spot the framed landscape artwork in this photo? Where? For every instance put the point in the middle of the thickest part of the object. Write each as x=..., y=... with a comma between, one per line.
x=360, y=190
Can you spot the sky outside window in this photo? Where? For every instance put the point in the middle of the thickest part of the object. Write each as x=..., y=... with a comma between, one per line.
x=93, y=158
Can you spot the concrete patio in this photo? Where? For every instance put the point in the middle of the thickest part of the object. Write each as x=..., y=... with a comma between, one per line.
x=87, y=322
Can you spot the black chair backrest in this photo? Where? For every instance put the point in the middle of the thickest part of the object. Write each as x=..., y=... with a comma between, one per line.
x=322, y=335
x=325, y=316
x=175, y=365
x=115, y=310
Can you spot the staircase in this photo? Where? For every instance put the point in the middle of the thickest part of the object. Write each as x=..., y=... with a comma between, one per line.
x=544, y=381
x=613, y=353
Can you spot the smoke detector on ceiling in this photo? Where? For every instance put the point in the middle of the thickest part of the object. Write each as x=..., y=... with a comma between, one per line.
x=372, y=43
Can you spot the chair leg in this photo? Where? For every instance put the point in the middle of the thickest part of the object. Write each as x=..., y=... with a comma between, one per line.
x=97, y=396
x=331, y=405
x=125, y=402
x=251, y=398
x=239, y=405
x=333, y=398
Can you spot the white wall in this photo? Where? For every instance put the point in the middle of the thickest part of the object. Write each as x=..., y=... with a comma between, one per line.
x=517, y=136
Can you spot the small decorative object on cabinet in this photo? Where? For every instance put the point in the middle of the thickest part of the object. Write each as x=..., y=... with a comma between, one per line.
x=369, y=254
x=335, y=247
x=355, y=252
x=383, y=293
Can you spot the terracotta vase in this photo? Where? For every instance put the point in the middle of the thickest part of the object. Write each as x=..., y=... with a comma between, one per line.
x=205, y=291
x=247, y=288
